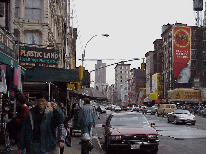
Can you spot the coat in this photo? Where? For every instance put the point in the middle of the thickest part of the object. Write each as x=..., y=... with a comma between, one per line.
x=50, y=121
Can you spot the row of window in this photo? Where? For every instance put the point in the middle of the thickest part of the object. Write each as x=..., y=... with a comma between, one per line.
x=32, y=9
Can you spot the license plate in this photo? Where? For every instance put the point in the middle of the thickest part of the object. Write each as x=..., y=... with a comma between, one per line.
x=135, y=146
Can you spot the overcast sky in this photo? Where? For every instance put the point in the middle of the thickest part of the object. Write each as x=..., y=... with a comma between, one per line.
x=132, y=25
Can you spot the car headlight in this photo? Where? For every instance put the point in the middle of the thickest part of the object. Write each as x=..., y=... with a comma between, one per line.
x=152, y=137
x=114, y=137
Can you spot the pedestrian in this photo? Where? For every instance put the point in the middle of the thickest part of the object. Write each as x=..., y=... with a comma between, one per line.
x=15, y=125
x=38, y=133
x=61, y=135
x=98, y=111
x=87, y=119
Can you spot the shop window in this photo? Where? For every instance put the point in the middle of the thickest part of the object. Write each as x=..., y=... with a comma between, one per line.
x=17, y=2
x=33, y=9
x=32, y=38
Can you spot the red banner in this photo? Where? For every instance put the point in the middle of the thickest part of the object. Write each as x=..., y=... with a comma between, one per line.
x=181, y=52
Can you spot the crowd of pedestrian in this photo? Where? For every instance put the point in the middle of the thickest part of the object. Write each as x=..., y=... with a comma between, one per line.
x=41, y=127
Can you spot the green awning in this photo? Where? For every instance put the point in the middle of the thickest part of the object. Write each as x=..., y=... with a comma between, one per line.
x=7, y=60
x=54, y=75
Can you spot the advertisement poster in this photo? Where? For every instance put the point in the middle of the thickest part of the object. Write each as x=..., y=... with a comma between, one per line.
x=182, y=53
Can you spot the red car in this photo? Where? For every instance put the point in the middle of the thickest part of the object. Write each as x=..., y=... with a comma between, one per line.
x=130, y=131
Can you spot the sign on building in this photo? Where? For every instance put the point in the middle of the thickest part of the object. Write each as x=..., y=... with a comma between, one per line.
x=32, y=56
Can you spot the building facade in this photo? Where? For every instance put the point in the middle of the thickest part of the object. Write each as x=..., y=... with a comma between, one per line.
x=100, y=75
x=122, y=72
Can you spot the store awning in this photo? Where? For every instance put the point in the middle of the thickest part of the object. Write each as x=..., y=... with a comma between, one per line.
x=7, y=60
x=54, y=75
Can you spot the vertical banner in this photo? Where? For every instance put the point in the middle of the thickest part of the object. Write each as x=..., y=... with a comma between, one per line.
x=182, y=53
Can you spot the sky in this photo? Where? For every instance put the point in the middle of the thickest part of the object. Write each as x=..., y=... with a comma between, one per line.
x=132, y=26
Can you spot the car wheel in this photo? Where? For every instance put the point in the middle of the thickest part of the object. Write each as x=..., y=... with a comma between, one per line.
x=193, y=123
x=158, y=114
x=155, y=150
x=108, y=148
x=175, y=120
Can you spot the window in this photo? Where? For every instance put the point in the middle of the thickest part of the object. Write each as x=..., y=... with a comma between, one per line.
x=32, y=38
x=17, y=2
x=33, y=9
x=120, y=71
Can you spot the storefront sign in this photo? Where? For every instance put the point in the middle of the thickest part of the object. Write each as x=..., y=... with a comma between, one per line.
x=7, y=45
x=181, y=53
x=36, y=56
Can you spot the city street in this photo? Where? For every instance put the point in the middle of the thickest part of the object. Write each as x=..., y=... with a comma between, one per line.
x=179, y=139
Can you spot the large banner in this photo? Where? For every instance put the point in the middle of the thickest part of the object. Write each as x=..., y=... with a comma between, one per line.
x=182, y=53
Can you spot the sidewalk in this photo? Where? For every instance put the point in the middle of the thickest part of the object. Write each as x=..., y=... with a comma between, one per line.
x=74, y=149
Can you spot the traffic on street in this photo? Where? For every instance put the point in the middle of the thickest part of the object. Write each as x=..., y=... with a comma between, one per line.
x=179, y=138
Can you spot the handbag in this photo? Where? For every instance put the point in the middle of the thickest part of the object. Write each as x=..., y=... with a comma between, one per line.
x=68, y=140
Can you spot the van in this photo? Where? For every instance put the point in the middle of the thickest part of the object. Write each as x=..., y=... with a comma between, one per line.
x=164, y=109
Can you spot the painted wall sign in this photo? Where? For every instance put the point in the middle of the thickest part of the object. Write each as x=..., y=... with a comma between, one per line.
x=181, y=53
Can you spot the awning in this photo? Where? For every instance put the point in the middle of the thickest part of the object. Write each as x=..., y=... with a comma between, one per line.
x=9, y=61
x=55, y=75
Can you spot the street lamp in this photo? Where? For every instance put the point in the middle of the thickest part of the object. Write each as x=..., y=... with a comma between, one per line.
x=83, y=54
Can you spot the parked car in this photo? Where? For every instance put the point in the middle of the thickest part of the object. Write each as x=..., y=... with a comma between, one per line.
x=130, y=131
x=164, y=109
x=112, y=107
x=117, y=109
x=103, y=109
x=150, y=110
x=143, y=109
x=181, y=116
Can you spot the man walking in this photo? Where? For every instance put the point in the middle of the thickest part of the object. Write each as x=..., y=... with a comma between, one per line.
x=87, y=119
x=99, y=111
x=38, y=133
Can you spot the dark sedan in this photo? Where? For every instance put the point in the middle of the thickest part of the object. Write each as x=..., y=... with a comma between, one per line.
x=130, y=131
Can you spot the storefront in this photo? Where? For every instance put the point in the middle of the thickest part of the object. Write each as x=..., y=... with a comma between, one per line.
x=8, y=75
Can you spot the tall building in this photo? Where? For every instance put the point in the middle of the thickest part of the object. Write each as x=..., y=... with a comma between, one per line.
x=100, y=75
x=138, y=80
x=44, y=24
x=122, y=72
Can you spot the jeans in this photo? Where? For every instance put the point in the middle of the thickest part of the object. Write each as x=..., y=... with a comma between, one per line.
x=87, y=128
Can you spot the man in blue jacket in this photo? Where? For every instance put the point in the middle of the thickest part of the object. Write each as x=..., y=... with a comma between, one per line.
x=38, y=133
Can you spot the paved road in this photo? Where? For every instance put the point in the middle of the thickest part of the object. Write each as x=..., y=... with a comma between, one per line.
x=174, y=139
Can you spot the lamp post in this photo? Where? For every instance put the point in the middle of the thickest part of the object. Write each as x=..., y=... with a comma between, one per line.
x=83, y=54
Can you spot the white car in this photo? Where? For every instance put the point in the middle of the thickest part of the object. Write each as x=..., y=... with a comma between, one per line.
x=113, y=107
x=117, y=108
x=181, y=116
x=103, y=109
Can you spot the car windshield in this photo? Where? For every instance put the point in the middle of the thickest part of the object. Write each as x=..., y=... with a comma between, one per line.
x=125, y=120
x=181, y=112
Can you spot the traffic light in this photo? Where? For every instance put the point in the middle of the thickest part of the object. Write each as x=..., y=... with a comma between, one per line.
x=80, y=72
x=143, y=66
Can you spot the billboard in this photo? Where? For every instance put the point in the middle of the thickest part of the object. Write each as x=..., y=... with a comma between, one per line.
x=181, y=53
x=32, y=56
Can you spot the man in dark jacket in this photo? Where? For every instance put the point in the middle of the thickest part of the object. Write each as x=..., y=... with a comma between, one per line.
x=38, y=133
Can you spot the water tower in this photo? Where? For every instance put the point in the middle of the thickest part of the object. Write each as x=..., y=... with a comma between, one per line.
x=198, y=7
